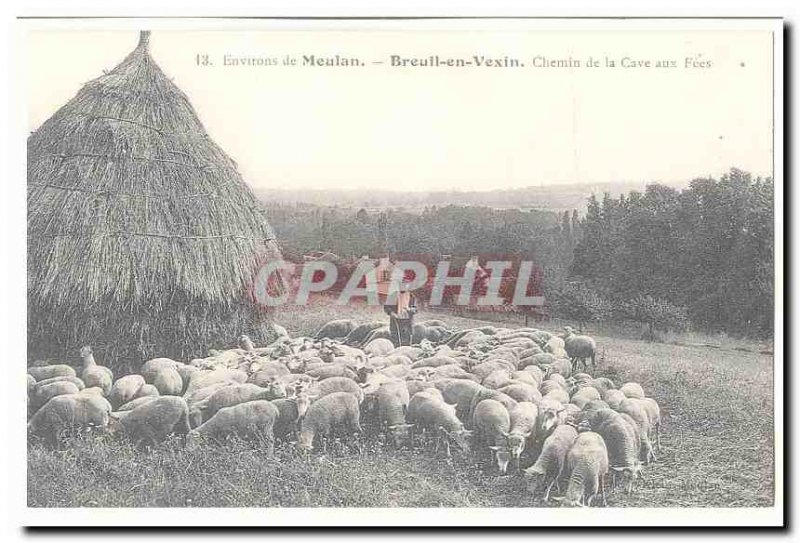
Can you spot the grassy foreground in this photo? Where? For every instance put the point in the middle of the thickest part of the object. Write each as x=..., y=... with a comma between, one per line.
x=717, y=440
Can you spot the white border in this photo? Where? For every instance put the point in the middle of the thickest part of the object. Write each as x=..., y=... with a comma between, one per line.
x=21, y=515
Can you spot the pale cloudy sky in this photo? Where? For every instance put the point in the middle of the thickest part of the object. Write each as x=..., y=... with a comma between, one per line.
x=443, y=128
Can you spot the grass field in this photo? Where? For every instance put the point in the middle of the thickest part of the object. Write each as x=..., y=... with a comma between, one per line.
x=717, y=439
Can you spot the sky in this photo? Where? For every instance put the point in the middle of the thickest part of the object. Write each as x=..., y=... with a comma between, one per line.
x=378, y=127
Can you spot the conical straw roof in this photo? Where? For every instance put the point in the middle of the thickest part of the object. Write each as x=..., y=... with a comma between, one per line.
x=142, y=235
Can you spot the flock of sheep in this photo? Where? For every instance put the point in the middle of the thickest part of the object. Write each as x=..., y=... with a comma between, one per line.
x=521, y=399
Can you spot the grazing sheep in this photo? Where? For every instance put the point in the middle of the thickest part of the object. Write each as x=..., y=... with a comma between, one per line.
x=44, y=393
x=460, y=393
x=497, y=379
x=622, y=443
x=125, y=389
x=490, y=394
x=549, y=416
x=427, y=411
x=146, y=390
x=266, y=372
x=548, y=386
x=253, y=419
x=202, y=394
x=241, y=393
x=67, y=412
x=523, y=427
x=152, y=422
x=559, y=395
x=602, y=384
x=133, y=404
x=490, y=424
x=332, y=370
x=77, y=381
x=584, y=395
x=434, y=361
x=41, y=373
x=595, y=405
x=580, y=348
x=632, y=390
x=333, y=385
x=168, y=382
x=150, y=368
x=290, y=412
x=379, y=347
x=561, y=366
x=522, y=392
x=654, y=414
x=541, y=359
x=93, y=391
x=336, y=329
x=94, y=375
x=526, y=377
x=204, y=378
x=484, y=369
x=586, y=466
x=548, y=467
x=392, y=399
x=378, y=333
x=453, y=372
x=360, y=332
x=554, y=345
x=326, y=415
x=635, y=408
x=536, y=372
x=613, y=398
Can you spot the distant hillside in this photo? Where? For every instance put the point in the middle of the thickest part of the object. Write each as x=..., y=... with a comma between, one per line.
x=554, y=197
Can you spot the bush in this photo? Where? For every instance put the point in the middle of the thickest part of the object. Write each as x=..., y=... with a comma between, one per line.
x=578, y=302
x=656, y=314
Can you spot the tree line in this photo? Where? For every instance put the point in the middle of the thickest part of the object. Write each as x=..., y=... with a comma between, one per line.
x=666, y=258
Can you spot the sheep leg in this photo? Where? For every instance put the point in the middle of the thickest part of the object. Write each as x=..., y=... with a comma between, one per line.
x=603, y=491
x=547, y=492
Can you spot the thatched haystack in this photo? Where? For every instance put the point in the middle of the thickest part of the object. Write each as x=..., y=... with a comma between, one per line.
x=142, y=236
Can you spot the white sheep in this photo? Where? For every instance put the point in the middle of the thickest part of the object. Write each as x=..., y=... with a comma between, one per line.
x=326, y=415
x=43, y=393
x=622, y=443
x=204, y=378
x=654, y=414
x=332, y=385
x=632, y=390
x=253, y=419
x=93, y=374
x=580, y=348
x=636, y=409
x=428, y=411
x=524, y=417
x=586, y=466
x=240, y=393
x=151, y=367
x=125, y=389
x=613, y=398
x=41, y=373
x=133, y=404
x=168, y=382
x=548, y=467
x=66, y=412
x=152, y=422
x=490, y=425
x=336, y=329
x=290, y=412
x=392, y=399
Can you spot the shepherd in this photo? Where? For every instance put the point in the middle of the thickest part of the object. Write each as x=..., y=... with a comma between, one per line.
x=401, y=316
